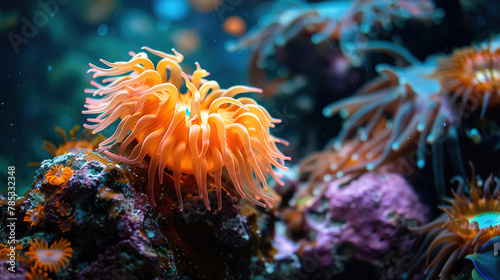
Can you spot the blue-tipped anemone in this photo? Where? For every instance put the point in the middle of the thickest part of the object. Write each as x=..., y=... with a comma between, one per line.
x=469, y=229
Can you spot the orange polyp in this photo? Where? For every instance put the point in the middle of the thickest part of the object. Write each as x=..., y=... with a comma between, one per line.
x=33, y=216
x=37, y=274
x=50, y=259
x=74, y=144
x=58, y=175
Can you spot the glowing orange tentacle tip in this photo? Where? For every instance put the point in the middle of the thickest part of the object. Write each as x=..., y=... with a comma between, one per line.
x=58, y=175
x=198, y=132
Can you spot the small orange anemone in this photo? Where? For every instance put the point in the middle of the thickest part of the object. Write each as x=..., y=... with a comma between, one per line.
x=472, y=74
x=34, y=216
x=470, y=221
x=65, y=225
x=50, y=259
x=37, y=274
x=63, y=208
x=234, y=25
x=198, y=132
x=58, y=175
x=74, y=145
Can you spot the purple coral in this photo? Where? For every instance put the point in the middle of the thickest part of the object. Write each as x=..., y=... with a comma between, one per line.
x=371, y=214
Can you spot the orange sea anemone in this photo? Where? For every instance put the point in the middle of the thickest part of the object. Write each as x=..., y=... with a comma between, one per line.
x=50, y=259
x=63, y=208
x=58, y=175
x=472, y=74
x=6, y=249
x=65, y=225
x=326, y=165
x=37, y=274
x=74, y=145
x=470, y=221
x=34, y=216
x=197, y=132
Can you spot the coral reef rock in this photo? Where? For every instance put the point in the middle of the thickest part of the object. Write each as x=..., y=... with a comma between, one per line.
x=115, y=233
x=356, y=229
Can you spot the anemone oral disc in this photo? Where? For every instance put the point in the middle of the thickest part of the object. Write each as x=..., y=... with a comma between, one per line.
x=486, y=219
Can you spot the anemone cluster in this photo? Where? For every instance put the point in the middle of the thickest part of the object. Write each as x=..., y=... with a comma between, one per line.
x=179, y=139
x=412, y=111
x=419, y=104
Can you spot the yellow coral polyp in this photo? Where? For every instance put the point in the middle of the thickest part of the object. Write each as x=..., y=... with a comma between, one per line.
x=198, y=132
x=50, y=259
x=34, y=216
x=58, y=175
